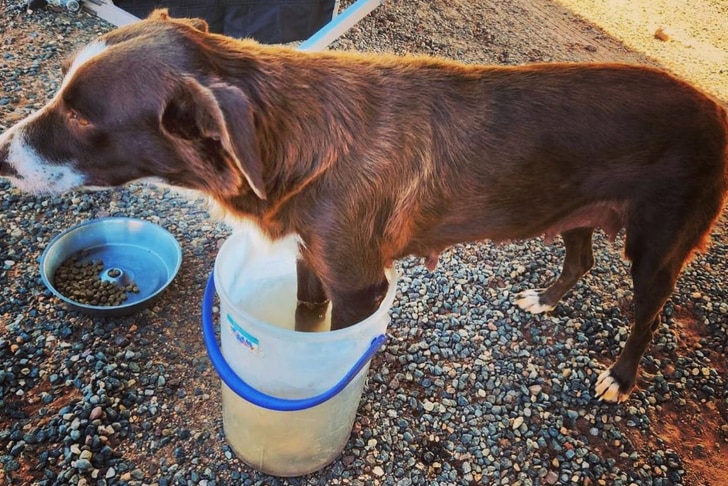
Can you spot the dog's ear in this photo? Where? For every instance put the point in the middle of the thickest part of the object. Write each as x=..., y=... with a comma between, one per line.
x=217, y=117
x=163, y=14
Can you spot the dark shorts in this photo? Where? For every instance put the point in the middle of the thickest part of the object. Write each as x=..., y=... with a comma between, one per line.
x=267, y=21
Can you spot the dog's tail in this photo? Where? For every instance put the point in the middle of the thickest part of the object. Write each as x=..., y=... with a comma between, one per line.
x=724, y=108
x=716, y=201
x=725, y=125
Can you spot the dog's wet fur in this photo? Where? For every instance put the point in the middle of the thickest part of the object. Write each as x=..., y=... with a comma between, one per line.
x=368, y=158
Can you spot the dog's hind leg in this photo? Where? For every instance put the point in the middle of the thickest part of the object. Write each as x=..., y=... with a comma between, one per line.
x=658, y=254
x=578, y=260
x=654, y=280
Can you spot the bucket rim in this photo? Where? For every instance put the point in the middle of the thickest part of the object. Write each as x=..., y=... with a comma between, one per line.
x=390, y=274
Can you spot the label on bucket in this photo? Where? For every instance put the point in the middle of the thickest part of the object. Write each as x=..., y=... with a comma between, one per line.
x=244, y=337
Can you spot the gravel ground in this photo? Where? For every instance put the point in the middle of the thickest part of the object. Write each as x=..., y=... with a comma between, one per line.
x=469, y=390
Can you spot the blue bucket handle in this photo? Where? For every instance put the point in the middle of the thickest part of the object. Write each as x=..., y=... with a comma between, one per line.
x=242, y=389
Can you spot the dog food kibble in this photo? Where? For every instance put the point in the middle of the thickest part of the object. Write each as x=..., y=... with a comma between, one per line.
x=80, y=281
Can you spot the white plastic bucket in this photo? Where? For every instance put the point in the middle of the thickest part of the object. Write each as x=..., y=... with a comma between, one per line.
x=289, y=398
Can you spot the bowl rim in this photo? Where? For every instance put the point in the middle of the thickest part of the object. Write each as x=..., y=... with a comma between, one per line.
x=110, y=310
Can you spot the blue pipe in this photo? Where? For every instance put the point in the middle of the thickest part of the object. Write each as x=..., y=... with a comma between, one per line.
x=242, y=389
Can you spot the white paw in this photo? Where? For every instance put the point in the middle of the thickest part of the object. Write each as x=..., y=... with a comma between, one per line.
x=530, y=300
x=607, y=388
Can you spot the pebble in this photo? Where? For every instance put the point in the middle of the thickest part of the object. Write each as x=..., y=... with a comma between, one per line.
x=551, y=477
x=517, y=422
x=96, y=413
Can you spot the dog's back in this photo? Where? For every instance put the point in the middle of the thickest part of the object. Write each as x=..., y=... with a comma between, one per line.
x=542, y=149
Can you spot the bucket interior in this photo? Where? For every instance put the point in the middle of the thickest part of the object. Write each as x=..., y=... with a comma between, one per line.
x=256, y=284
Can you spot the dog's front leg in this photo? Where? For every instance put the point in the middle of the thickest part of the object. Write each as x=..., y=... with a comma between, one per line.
x=312, y=302
x=351, y=307
x=348, y=307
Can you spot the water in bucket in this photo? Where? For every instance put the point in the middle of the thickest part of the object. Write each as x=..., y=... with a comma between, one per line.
x=257, y=289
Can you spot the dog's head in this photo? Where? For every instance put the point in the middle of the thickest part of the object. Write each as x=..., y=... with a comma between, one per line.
x=142, y=102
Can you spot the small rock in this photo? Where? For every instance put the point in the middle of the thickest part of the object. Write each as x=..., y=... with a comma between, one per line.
x=517, y=422
x=661, y=35
x=17, y=449
x=121, y=340
x=96, y=413
x=551, y=478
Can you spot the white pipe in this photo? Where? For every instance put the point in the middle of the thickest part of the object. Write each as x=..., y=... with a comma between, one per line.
x=110, y=12
x=338, y=25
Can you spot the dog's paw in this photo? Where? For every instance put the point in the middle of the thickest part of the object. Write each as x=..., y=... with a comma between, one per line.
x=530, y=301
x=608, y=388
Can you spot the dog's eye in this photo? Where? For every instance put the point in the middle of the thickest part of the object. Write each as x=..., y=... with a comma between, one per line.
x=79, y=119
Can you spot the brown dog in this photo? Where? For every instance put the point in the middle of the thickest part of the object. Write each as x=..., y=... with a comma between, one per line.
x=370, y=158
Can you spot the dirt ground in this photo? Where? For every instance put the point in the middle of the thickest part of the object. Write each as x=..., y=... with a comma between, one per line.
x=689, y=38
